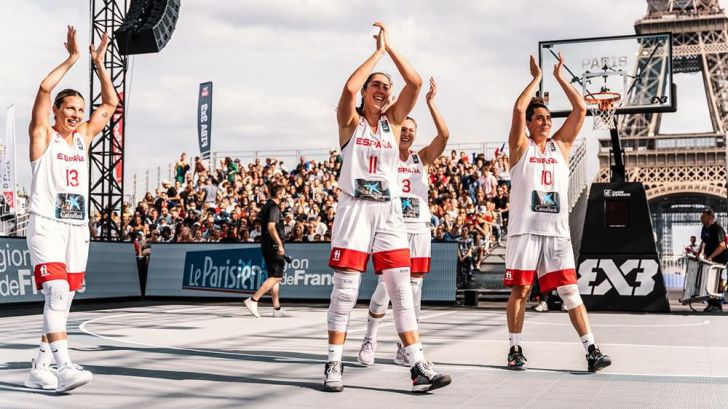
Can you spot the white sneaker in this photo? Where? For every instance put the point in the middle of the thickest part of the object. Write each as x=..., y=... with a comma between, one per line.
x=280, y=313
x=367, y=351
x=252, y=307
x=401, y=357
x=71, y=377
x=333, y=377
x=542, y=306
x=41, y=377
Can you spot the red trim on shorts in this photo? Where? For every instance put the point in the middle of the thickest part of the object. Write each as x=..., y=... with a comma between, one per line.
x=391, y=259
x=518, y=277
x=75, y=280
x=348, y=258
x=420, y=265
x=554, y=279
x=49, y=271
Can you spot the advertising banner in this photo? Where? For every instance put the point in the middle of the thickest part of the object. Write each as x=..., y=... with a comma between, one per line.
x=7, y=163
x=103, y=279
x=217, y=270
x=204, y=119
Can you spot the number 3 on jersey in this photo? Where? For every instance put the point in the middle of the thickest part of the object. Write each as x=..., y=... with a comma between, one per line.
x=406, y=186
x=71, y=177
x=372, y=164
x=547, y=178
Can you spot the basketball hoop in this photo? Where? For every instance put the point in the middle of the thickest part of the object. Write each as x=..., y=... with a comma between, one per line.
x=603, y=106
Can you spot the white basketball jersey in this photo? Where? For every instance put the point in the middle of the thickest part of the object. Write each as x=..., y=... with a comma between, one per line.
x=415, y=184
x=59, y=188
x=539, y=192
x=370, y=163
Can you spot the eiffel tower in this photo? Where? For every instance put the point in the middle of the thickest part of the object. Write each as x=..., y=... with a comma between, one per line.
x=682, y=173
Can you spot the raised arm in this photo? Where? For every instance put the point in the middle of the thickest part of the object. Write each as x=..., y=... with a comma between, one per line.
x=109, y=100
x=346, y=114
x=566, y=135
x=517, y=140
x=406, y=100
x=429, y=153
x=39, y=128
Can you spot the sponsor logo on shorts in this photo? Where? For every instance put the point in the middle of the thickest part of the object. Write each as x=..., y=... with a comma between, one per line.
x=44, y=271
x=508, y=275
x=337, y=255
x=599, y=276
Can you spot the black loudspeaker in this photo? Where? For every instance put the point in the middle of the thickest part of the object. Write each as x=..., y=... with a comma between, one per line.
x=148, y=26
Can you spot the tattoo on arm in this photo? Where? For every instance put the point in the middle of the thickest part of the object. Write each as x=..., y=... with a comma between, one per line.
x=104, y=115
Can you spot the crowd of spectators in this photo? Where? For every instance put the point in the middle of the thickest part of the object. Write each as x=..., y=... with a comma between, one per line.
x=469, y=202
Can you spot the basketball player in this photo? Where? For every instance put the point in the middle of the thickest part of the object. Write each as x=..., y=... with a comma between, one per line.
x=58, y=233
x=414, y=181
x=539, y=242
x=369, y=215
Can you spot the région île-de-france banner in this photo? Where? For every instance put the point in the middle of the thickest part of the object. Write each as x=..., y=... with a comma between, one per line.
x=204, y=119
x=7, y=163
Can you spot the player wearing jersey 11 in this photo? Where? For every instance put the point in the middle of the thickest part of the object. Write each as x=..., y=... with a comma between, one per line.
x=415, y=184
x=539, y=241
x=58, y=233
x=369, y=215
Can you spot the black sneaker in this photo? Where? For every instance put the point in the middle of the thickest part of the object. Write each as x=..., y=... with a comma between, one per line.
x=516, y=359
x=596, y=359
x=332, y=381
x=424, y=377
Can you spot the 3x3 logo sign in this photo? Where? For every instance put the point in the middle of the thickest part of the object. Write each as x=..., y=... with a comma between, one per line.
x=616, y=277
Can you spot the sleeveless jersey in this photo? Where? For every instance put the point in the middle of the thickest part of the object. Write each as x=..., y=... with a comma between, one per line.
x=59, y=188
x=370, y=163
x=415, y=184
x=539, y=193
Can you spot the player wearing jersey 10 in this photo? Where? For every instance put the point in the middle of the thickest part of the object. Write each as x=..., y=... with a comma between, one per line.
x=539, y=241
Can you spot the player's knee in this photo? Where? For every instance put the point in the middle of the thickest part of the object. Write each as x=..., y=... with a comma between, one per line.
x=403, y=307
x=57, y=295
x=380, y=300
x=520, y=292
x=343, y=299
x=570, y=296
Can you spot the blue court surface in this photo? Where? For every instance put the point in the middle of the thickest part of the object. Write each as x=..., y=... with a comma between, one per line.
x=216, y=355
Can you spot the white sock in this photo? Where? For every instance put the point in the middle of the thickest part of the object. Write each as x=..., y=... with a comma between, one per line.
x=416, y=283
x=587, y=340
x=336, y=352
x=45, y=356
x=60, y=352
x=373, y=326
x=414, y=353
x=514, y=338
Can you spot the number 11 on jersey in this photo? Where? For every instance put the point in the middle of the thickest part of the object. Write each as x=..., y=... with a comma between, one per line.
x=372, y=164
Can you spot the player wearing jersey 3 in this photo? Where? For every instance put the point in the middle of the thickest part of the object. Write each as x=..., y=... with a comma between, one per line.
x=369, y=215
x=539, y=242
x=415, y=184
x=58, y=233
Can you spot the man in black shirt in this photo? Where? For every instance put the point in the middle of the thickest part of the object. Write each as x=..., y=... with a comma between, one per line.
x=714, y=248
x=271, y=244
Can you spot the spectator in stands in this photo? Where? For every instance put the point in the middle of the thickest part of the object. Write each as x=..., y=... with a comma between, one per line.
x=465, y=259
x=200, y=168
x=181, y=169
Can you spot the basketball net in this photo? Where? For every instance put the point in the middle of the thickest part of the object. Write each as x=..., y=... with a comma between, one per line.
x=603, y=105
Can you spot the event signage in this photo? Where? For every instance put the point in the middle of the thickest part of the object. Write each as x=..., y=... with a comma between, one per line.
x=216, y=270
x=204, y=119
